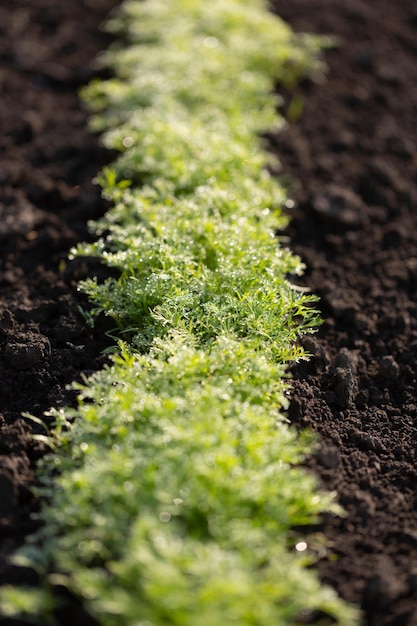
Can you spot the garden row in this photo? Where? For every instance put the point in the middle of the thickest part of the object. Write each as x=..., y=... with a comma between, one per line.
x=175, y=487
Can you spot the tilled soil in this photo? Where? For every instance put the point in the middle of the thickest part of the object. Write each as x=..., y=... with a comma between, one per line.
x=352, y=161
x=47, y=162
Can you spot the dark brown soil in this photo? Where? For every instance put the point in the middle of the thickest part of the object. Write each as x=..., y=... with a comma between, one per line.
x=47, y=162
x=352, y=159
x=352, y=162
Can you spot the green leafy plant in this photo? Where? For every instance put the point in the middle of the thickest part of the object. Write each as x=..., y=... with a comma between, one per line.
x=177, y=487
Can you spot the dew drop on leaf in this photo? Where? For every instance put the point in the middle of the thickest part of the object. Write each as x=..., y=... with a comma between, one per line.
x=211, y=42
x=128, y=142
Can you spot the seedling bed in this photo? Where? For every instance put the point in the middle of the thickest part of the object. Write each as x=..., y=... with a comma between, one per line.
x=351, y=158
